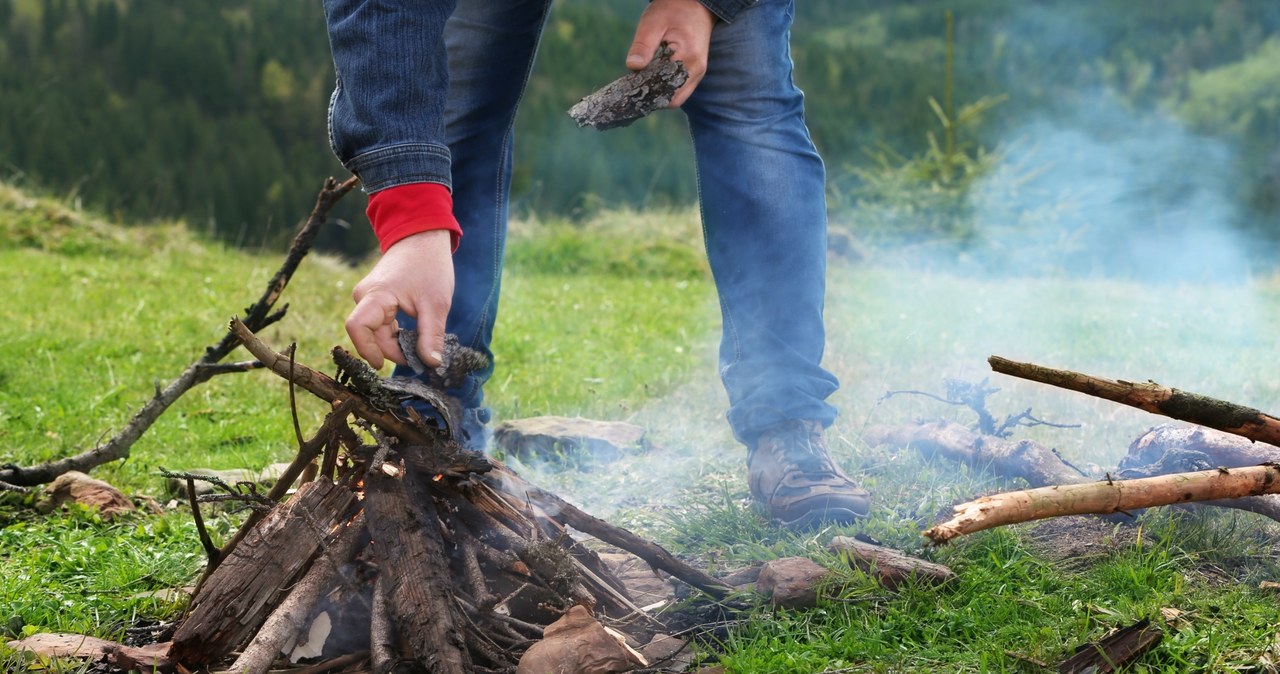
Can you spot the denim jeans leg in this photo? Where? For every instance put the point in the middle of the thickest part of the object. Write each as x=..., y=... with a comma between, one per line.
x=491, y=47
x=761, y=187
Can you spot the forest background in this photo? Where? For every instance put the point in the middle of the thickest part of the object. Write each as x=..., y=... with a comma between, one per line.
x=215, y=112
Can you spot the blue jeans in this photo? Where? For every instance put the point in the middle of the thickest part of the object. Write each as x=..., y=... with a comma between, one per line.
x=761, y=189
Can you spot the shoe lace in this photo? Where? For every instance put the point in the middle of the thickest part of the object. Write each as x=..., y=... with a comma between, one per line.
x=799, y=446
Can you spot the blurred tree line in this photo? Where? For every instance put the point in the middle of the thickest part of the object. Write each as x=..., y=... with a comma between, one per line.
x=215, y=111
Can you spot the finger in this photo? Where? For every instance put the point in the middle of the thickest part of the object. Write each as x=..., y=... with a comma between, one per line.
x=645, y=45
x=362, y=324
x=686, y=90
x=385, y=338
x=431, y=337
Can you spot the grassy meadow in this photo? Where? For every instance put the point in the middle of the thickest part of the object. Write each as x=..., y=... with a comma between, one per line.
x=616, y=318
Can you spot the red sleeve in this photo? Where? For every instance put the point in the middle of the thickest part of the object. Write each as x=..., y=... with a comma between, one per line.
x=398, y=212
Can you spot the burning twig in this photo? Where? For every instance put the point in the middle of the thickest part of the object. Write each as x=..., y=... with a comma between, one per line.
x=258, y=315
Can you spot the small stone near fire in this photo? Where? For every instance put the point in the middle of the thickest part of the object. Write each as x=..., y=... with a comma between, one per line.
x=577, y=644
x=668, y=652
x=792, y=582
x=79, y=488
x=568, y=441
x=1269, y=586
x=265, y=477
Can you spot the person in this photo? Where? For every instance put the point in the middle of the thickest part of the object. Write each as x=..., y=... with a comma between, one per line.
x=423, y=112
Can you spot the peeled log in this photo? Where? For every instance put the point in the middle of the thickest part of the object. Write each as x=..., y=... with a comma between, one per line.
x=1101, y=498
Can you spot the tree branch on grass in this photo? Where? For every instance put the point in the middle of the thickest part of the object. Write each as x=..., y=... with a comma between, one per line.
x=259, y=315
x=1109, y=496
x=1152, y=397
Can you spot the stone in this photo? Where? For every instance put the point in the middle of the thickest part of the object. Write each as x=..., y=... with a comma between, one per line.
x=568, y=441
x=792, y=582
x=266, y=477
x=577, y=644
x=78, y=487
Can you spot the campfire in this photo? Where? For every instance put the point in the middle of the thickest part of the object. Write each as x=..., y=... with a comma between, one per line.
x=440, y=556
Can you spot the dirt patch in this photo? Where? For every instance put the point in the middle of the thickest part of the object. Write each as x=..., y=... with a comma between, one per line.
x=1076, y=543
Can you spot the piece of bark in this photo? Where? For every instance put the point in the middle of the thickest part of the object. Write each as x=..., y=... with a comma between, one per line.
x=577, y=644
x=1114, y=651
x=418, y=589
x=239, y=595
x=890, y=567
x=76, y=487
x=1152, y=397
x=1026, y=459
x=258, y=315
x=792, y=582
x=1105, y=497
x=290, y=616
x=632, y=96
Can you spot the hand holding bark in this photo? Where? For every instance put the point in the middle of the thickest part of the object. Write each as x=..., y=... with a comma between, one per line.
x=685, y=25
x=414, y=275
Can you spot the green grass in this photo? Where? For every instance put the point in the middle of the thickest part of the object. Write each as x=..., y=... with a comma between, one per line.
x=600, y=321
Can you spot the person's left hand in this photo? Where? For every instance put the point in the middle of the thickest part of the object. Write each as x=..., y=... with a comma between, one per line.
x=685, y=25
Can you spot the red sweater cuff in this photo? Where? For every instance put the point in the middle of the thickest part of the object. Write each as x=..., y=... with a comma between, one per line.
x=398, y=212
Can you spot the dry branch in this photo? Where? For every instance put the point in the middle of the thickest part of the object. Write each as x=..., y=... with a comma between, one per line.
x=258, y=315
x=1037, y=464
x=1152, y=397
x=1106, y=497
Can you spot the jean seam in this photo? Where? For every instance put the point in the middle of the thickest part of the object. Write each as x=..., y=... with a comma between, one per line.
x=498, y=200
x=730, y=327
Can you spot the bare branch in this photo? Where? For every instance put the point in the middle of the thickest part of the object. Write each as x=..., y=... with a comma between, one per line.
x=198, y=372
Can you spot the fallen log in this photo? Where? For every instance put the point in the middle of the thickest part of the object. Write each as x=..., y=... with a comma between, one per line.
x=1026, y=459
x=891, y=567
x=1152, y=397
x=1110, y=496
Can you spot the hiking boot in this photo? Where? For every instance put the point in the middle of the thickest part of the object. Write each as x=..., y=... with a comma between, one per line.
x=792, y=475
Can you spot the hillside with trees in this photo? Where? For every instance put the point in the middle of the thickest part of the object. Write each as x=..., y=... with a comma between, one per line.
x=215, y=111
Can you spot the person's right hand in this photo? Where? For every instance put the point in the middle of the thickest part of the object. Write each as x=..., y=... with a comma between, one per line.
x=414, y=275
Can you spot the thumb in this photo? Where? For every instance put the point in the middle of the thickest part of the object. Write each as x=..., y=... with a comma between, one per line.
x=430, y=340
x=644, y=46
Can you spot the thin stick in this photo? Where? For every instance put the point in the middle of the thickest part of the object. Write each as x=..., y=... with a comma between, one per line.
x=1152, y=397
x=1110, y=496
x=258, y=315
x=210, y=550
x=569, y=515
